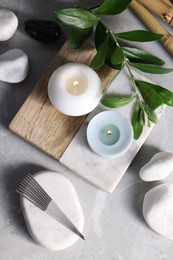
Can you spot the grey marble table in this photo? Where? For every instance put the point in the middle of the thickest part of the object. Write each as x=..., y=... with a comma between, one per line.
x=114, y=226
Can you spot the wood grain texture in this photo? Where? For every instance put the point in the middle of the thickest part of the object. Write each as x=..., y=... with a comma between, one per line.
x=39, y=122
x=160, y=8
x=168, y=2
x=153, y=24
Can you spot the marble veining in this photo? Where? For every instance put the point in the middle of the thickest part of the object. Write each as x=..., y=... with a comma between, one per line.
x=102, y=172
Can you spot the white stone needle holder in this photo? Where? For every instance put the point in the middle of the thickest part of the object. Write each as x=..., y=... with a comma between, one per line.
x=32, y=191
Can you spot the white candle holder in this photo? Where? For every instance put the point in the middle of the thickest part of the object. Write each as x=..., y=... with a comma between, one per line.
x=109, y=134
x=74, y=89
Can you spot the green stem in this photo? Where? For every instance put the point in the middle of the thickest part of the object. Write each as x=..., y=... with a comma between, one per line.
x=114, y=38
x=132, y=77
x=111, y=80
x=126, y=63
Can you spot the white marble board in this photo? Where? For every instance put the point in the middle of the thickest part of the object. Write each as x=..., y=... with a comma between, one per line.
x=102, y=172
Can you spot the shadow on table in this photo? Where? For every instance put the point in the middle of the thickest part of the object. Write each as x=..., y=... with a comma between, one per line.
x=143, y=156
x=11, y=180
x=141, y=187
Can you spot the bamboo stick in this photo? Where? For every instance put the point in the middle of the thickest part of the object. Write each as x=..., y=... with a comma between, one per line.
x=160, y=8
x=148, y=19
x=167, y=2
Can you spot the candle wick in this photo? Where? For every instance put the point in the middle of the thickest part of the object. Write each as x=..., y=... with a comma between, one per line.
x=75, y=83
x=109, y=132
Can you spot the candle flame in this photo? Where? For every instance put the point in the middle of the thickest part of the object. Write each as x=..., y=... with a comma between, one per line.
x=109, y=132
x=75, y=83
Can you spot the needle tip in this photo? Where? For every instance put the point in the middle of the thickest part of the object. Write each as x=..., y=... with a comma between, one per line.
x=82, y=236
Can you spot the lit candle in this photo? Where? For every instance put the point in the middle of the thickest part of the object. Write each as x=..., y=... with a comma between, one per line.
x=74, y=89
x=109, y=134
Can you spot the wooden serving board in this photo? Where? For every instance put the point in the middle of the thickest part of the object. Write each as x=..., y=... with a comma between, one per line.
x=39, y=122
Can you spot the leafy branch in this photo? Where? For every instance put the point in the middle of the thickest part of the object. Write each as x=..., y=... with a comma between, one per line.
x=148, y=97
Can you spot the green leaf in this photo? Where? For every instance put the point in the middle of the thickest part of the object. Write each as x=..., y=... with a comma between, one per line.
x=118, y=56
x=150, y=96
x=111, y=48
x=100, y=56
x=78, y=37
x=111, y=7
x=116, y=101
x=100, y=34
x=151, y=114
x=149, y=68
x=149, y=123
x=137, y=123
x=141, y=56
x=117, y=66
x=165, y=94
x=142, y=117
x=139, y=36
x=77, y=17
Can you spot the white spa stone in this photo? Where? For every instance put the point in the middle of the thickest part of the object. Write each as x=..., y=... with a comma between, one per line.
x=8, y=24
x=44, y=229
x=158, y=168
x=14, y=66
x=158, y=209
